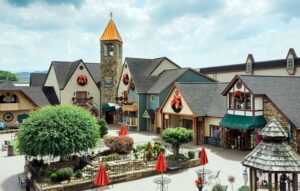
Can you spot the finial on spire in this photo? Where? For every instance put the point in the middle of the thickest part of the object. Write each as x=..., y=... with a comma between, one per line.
x=111, y=15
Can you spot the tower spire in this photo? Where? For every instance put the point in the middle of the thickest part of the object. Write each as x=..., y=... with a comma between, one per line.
x=111, y=15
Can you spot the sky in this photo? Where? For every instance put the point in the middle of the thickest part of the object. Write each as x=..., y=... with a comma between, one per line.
x=192, y=33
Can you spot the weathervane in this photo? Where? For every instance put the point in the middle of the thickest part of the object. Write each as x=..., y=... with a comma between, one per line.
x=111, y=15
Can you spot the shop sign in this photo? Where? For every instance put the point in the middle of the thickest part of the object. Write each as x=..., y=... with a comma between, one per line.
x=130, y=107
x=108, y=82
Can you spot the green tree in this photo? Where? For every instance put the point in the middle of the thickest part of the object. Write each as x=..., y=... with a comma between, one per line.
x=103, y=128
x=176, y=137
x=6, y=75
x=58, y=131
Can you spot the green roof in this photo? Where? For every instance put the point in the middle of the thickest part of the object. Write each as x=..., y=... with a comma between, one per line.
x=243, y=122
x=108, y=107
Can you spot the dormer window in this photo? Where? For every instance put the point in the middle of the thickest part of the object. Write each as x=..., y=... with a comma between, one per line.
x=290, y=63
x=248, y=68
x=108, y=49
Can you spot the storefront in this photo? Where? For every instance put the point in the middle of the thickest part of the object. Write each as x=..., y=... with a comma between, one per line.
x=129, y=115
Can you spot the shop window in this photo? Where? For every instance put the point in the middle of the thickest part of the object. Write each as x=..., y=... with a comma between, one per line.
x=239, y=100
x=131, y=121
x=81, y=97
x=8, y=98
x=187, y=123
x=152, y=98
x=216, y=131
x=166, y=123
x=248, y=101
x=231, y=101
x=125, y=96
x=248, y=68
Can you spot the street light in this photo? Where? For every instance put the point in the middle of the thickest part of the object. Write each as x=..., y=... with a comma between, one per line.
x=245, y=175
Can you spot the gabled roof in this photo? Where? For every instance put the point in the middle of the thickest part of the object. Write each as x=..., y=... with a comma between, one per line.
x=204, y=99
x=280, y=63
x=283, y=92
x=111, y=32
x=37, y=79
x=64, y=71
x=140, y=69
x=41, y=96
x=273, y=129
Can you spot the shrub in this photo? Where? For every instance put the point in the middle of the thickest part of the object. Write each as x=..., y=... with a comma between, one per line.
x=176, y=157
x=155, y=149
x=149, y=155
x=162, y=149
x=103, y=128
x=120, y=145
x=78, y=173
x=53, y=177
x=141, y=147
x=177, y=136
x=64, y=173
x=58, y=131
x=218, y=187
x=148, y=147
x=157, y=143
x=191, y=154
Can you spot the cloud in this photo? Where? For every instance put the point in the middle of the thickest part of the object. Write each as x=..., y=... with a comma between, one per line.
x=25, y=3
x=191, y=33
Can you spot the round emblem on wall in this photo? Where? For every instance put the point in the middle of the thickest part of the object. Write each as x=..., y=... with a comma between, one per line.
x=176, y=102
x=82, y=80
x=239, y=85
x=8, y=117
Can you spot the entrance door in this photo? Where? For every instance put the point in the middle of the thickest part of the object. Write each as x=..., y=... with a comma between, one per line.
x=200, y=132
x=109, y=117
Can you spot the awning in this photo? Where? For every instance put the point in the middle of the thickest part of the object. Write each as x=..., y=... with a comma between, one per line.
x=149, y=113
x=243, y=122
x=21, y=117
x=110, y=107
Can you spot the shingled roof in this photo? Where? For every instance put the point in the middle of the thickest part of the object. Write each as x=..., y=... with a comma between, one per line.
x=37, y=79
x=280, y=63
x=204, y=99
x=273, y=156
x=140, y=69
x=64, y=71
x=41, y=96
x=283, y=91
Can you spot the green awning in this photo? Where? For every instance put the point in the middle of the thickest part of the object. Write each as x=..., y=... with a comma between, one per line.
x=243, y=122
x=108, y=107
x=21, y=117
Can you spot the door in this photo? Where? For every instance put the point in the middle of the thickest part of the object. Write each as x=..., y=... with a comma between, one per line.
x=109, y=117
x=200, y=132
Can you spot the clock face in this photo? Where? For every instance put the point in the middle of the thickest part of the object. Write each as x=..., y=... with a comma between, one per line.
x=239, y=85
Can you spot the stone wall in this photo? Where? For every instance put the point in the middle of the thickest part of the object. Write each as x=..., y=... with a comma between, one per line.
x=271, y=111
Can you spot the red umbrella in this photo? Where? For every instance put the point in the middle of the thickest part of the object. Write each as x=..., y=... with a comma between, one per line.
x=123, y=131
x=203, y=158
x=101, y=178
x=161, y=165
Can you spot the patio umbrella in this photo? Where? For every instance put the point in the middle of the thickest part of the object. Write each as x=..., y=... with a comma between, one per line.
x=101, y=178
x=203, y=159
x=161, y=165
x=123, y=131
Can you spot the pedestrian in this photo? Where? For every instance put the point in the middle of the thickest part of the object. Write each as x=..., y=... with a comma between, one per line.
x=199, y=183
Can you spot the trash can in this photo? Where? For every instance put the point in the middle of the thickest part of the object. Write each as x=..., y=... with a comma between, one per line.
x=10, y=150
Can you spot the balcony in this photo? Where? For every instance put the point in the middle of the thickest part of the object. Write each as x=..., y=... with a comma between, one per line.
x=9, y=106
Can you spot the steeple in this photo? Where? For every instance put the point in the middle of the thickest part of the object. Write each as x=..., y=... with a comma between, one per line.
x=111, y=32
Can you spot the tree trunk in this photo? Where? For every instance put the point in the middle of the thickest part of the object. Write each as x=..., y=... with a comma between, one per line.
x=175, y=149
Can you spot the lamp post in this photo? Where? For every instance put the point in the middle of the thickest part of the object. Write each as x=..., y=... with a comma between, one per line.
x=245, y=175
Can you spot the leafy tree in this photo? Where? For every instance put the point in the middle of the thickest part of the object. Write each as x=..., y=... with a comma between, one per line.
x=58, y=131
x=176, y=137
x=103, y=128
x=6, y=75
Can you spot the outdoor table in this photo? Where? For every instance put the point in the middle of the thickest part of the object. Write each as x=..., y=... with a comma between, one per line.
x=203, y=173
x=162, y=183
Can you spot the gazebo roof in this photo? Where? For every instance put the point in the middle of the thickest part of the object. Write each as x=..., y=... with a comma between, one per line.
x=273, y=129
x=273, y=157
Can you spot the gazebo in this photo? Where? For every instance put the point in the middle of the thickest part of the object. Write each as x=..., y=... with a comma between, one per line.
x=274, y=156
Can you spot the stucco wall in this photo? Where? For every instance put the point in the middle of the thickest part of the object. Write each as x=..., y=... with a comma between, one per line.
x=185, y=108
x=70, y=90
x=52, y=81
x=122, y=87
x=211, y=121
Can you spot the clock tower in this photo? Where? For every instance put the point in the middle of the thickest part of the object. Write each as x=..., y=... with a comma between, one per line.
x=111, y=48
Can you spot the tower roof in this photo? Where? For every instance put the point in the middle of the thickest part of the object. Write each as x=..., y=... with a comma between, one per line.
x=111, y=32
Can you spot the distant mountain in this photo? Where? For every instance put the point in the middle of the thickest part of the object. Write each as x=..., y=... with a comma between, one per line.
x=25, y=76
